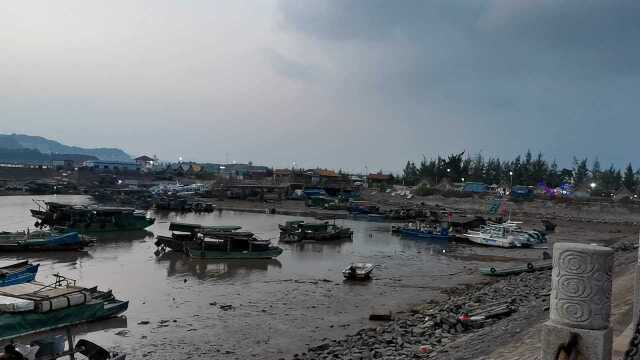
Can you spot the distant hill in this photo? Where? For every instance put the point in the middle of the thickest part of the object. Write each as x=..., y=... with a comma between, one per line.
x=35, y=157
x=46, y=146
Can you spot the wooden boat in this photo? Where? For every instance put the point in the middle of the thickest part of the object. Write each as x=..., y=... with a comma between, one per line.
x=89, y=218
x=18, y=273
x=191, y=228
x=184, y=235
x=52, y=348
x=529, y=267
x=232, y=248
x=35, y=307
x=42, y=241
x=290, y=226
x=299, y=230
x=439, y=233
x=358, y=271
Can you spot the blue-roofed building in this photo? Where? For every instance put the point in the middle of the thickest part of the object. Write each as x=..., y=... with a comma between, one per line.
x=103, y=165
x=475, y=187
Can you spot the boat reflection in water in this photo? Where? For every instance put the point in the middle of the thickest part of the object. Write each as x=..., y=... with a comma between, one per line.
x=340, y=246
x=122, y=237
x=57, y=257
x=180, y=264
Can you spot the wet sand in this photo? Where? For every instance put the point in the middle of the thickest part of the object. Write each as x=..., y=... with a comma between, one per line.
x=279, y=307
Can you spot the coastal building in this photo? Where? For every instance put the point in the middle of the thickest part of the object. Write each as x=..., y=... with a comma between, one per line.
x=379, y=180
x=475, y=187
x=105, y=166
x=145, y=161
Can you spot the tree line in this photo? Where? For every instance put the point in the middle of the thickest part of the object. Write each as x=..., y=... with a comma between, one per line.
x=523, y=170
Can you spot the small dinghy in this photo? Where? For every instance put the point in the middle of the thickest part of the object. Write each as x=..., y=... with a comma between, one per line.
x=358, y=271
x=18, y=273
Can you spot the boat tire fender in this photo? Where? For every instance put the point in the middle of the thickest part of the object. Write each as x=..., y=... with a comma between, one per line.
x=530, y=266
x=492, y=270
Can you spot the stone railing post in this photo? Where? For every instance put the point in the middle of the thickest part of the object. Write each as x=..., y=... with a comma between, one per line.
x=580, y=301
x=636, y=291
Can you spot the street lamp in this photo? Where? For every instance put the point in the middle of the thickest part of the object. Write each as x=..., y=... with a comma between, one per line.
x=510, y=181
x=462, y=179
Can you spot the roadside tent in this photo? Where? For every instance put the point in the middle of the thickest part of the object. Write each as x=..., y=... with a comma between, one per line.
x=622, y=193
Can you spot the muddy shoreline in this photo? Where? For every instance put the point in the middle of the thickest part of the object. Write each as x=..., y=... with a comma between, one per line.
x=287, y=306
x=511, y=310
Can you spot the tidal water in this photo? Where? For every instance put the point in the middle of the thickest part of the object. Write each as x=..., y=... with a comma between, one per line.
x=279, y=307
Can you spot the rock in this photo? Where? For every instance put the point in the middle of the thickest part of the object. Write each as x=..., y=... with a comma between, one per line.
x=459, y=328
x=381, y=316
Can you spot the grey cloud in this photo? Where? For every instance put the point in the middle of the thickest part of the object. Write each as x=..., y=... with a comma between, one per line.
x=518, y=74
x=288, y=67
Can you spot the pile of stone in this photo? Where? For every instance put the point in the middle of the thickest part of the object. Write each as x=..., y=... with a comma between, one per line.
x=431, y=327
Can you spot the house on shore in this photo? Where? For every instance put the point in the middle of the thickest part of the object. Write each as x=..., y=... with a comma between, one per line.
x=145, y=161
x=112, y=166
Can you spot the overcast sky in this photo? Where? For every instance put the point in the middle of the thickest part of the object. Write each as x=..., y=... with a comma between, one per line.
x=331, y=83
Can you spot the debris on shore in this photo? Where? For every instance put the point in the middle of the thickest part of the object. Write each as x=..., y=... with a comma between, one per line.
x=433, y=328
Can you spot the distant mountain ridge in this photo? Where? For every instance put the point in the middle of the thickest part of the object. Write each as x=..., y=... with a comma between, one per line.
x=46, y=146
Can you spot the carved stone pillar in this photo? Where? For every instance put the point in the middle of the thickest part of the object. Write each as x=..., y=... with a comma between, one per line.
x=580, y=301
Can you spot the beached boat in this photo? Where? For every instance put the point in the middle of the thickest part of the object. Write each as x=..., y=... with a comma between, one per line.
x=232, y=248
x=42, y=241
x=358, y=271
x=18, y=273
x=89, y=218
x=426, y=232
x=513, y=270
x=506, y=235
x=34, y=306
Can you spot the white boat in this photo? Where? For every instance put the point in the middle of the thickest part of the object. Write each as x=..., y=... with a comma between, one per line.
x=506, y=235
x=358, y=271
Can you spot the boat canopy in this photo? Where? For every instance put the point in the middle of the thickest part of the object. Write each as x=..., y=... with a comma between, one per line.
x=185, y=227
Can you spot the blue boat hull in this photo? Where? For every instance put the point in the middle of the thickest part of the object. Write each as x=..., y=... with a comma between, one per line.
x=423, y=234
x=27, y=274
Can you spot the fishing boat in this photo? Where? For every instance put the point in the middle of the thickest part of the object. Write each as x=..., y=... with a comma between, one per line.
x=43, y=241
x=53, y=348
x=290, y=226
x=34, y=307
x=191, y=228
x=507, y=235
x=184, y=235
x=231, y=248
x=298, y=231
x=358, y=271
x=89, y=218
x=18, y=273
x=438, y=232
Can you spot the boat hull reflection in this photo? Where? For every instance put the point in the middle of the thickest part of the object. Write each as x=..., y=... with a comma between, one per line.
x=180, y=264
